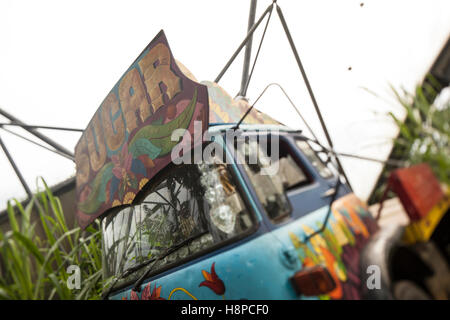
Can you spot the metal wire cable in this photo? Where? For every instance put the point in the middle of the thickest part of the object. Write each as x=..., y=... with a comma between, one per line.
x=331, y=151
x=36, y=133
x=38, y=144
x=40, y=127
x=290, y=101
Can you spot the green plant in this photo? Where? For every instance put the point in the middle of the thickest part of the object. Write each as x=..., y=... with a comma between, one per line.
x=33, y=264
x=424, y=135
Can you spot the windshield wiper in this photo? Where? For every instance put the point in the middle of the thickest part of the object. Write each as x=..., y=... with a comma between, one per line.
x=138, y=283
x=125, y=274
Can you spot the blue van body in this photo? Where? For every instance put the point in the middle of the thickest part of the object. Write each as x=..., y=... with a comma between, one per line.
x=261, y=264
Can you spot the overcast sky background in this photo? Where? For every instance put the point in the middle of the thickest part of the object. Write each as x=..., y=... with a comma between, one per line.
x=59, y=59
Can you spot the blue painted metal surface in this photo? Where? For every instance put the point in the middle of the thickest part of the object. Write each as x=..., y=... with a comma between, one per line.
x=260, y=266
x=254, y=269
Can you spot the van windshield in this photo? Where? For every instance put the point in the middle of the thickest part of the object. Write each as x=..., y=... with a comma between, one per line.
x=199, y=202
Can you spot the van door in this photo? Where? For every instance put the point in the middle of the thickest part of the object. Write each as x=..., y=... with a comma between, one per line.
x=298, y=199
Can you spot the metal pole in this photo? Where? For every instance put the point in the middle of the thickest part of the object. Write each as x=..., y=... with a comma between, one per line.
x=40, y=127
x=36, y=133
x=249, y=34
x=308, y=86
x=13, y=164
x=248, y=50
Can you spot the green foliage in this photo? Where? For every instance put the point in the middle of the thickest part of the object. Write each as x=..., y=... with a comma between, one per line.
x=35, y=253
x=424, y=134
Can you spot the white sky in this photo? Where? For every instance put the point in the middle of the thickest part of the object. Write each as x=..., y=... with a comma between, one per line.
x=59, y=59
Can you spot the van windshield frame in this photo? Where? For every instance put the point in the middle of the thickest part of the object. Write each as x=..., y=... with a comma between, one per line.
x=201, y=239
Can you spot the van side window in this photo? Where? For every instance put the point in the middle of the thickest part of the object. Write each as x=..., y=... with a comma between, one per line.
x=197, y=204
x=272, y=174
x=314, y=159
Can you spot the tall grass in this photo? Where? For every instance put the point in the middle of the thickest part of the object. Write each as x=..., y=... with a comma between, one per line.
x=424, y=134
x=34, y=266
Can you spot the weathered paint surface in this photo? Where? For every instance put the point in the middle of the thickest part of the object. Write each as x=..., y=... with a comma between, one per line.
x=129, y=138
x=255, y=269
x=224, y=109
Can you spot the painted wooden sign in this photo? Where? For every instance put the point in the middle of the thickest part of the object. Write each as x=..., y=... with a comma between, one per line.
x=129, y=140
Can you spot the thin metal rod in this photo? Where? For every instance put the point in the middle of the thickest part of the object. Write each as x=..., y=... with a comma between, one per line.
x=251, y=108
x=308, y=86
x=38, y=144
x=248, y=49
x=392, y=162
x=257, y=54
x=327, y=217
x=39, y=127
x=249, y=34
x=290, y=101
x=16, y=169
x=36, y=133
x=295, y=108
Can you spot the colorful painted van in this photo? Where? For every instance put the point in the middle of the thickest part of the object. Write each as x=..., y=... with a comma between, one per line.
x=242, y=233
x=265, y=218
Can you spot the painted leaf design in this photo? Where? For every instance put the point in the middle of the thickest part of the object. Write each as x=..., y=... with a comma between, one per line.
x=105, y=178
x=159, y=121
x=160, y=135
x=98, y=185
x=143, y=146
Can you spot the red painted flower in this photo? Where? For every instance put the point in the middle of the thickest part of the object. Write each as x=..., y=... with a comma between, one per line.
x=122, y=163
x=212, y=281
x=134, y=295
x=146, y=295
x=154, y=295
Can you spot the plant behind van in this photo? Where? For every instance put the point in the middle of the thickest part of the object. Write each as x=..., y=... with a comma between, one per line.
x=34, y=266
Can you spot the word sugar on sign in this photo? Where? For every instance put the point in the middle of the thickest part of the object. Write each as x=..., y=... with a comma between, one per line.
x=128, y=139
